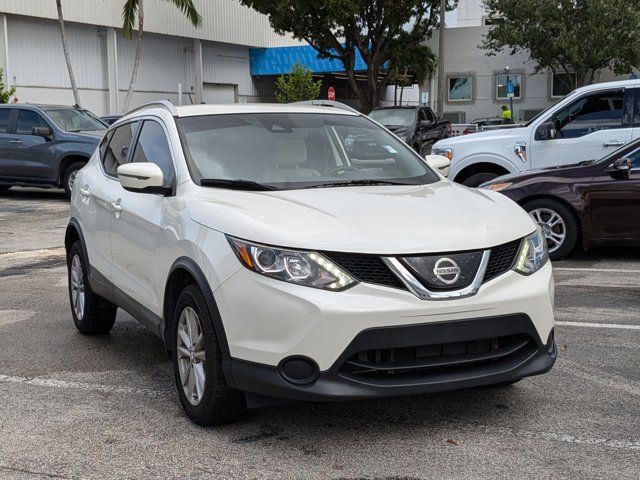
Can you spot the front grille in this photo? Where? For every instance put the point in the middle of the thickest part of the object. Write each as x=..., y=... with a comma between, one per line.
x=440, y=362
x=366, y=268
x=501, y=259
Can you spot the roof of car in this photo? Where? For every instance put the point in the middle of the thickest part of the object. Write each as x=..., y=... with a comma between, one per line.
x=206, y=109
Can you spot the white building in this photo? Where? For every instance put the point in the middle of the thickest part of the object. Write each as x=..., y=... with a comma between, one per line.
x=211, y=63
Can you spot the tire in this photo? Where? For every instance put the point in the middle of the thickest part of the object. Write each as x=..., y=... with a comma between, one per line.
x=561, y=237
x=479, y=178
x=69, y=176
x=93, y=315
x=214, y=402
x=4, y=188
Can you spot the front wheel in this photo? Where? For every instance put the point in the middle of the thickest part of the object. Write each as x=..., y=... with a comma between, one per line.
x=204, y=394
x=558, y=223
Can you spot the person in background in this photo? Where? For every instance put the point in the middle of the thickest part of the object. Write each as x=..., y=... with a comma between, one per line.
x=507, y=116
x=16, y=99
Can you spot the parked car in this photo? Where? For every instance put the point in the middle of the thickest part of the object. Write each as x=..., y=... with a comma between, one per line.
x=302, y=264
x=418, y=127
x=46, y=145
x=477, y=124
x=110, y=119
x=595, y=202
x=590, y=122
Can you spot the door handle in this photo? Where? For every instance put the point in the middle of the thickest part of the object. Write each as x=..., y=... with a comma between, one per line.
x=115, y=206
x=613, y=143
x=84, y=191
x=16, y=142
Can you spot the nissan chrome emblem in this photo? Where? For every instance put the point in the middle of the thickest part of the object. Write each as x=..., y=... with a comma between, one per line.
x=447, y=271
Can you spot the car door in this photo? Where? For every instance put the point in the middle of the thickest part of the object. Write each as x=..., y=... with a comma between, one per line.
x=31, y=154
x=6, y=160
x=140, y=232
x=590, y=127
x=99, y=188
x=432, y=134
x=615, y=202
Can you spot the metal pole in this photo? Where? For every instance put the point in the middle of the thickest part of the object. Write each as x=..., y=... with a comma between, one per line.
x=179, y=93
x=441, y=79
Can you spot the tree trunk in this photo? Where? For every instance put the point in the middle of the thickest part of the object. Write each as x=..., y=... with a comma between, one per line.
x=401, y=93
x=395, y=95
x=136, y=61
x=65, y=48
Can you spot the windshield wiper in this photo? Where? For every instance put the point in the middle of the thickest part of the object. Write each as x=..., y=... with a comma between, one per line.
x=355, y=183
x=235, y=184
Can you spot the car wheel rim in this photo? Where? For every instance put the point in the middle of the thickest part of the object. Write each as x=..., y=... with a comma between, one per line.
x=72, y=178
x=552, y=225
x=77, y=287
x=191, y=355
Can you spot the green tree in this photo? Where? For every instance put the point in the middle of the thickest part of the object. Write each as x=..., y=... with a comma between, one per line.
x=297, y=86
x=340, y=28
x=409, y=63
x=5, y=93
x=134, y=9
x=568, y=36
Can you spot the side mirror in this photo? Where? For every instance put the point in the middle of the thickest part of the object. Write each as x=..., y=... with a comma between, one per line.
x=439, y=163
x=425, y=123
x=41, y=131
x=142, y=177
x=620, y=169
x=546, y=131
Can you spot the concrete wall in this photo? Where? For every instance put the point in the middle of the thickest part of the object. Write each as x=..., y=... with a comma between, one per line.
x=463, y=56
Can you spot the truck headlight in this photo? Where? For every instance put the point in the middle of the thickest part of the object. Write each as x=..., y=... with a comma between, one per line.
x=310, y=269
x=445, y=152
x=533, y=254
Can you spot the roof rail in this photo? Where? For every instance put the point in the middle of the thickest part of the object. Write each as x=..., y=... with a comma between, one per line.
x=166, y=104
x=328, y=103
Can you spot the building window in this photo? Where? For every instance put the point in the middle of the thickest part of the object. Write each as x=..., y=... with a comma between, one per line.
x=459, y=89
x=502, y=82
x=562, y=84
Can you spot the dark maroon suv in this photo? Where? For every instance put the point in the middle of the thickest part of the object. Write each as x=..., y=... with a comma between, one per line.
x=596, y=202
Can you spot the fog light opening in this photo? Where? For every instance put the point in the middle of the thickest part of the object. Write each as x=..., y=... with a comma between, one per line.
x=299, y=370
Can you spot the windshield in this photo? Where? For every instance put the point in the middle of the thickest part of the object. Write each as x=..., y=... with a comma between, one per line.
x=74, y=120
x=286, y=151
x=394, y=116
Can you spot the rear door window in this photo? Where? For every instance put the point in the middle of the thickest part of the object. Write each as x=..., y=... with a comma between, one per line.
x=118, y=150
x=5, y=116
x=28, y=120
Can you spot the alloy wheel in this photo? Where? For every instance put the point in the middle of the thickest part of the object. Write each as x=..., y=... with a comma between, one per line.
x=191, y=355
x=72, y=178
x=553, y=227
x=77, y=287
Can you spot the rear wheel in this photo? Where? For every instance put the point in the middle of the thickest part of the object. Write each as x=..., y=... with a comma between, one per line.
x=479, y=178
x=69, y=177
x=91, y=314
x=558, y=223
x=204, y=393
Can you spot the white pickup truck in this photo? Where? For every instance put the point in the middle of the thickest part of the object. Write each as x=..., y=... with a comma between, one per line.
x=588, y=123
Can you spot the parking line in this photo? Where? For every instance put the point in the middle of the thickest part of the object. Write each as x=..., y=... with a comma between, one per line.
x=599, y=270
x=599, y=325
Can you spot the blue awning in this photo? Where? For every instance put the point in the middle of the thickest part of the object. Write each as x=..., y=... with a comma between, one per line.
x=280, y=60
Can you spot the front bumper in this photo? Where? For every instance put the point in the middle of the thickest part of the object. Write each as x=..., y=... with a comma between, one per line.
x=451, y=372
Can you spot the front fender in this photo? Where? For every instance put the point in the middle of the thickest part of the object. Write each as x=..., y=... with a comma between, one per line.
x=511, y=166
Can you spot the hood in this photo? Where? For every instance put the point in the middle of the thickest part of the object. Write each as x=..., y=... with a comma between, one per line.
x=488, y=136
x=91, y=136
x=574, y=170
x=398, y=128
x=440, y=217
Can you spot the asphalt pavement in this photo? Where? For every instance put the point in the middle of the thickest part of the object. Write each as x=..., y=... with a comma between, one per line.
x=73, y=406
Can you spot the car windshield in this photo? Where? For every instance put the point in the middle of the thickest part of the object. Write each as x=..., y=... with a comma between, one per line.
x=296, y=150
x=75, y=120
x=394, y=116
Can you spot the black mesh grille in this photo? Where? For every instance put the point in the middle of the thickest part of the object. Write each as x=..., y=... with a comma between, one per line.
x=366, y=268
x=501, y=259
x=429, y=362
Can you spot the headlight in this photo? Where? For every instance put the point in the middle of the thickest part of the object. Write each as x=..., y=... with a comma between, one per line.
x=533, y=254
x=496, y=187
x=310, y=269
x=445, y=152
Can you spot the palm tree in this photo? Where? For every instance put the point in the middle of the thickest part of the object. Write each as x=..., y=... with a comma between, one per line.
x=135, y=8
x=65, y=47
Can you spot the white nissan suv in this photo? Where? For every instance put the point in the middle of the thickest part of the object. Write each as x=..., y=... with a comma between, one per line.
x=303, y=253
